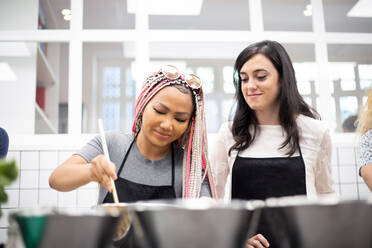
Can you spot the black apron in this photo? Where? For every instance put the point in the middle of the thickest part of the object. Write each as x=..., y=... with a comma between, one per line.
x=129, y=191
x=261, y=178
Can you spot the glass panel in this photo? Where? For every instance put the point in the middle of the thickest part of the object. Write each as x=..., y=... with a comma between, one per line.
x=359, y=54
x=304, y=87
x=207, y=14
x=108, y=86
x=228, y=85
x=365, y=75
x=365, y=99
x=111, y=115
x=345, y=74
x=334, y=115
x=305, y=72
x=54, y=14
x=348, y=106
x=297, y=15
x=365, y=71
x=366, y=84
x=108, y=14
x=189, y=70
x=308, y=100
x=130, y=84
x=343, y=61
x=227, y=110
x=34, y=82
x=348, y=85
x=111, y=82
x=211, y=115
x=129, y=116
x=337, y=20
x=52, y=86
x=206, y=74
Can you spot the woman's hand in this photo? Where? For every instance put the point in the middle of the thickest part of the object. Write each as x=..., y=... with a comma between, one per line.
x=101, y=171
x=257, y=241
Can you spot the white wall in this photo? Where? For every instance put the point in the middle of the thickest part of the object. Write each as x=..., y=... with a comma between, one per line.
x=17, y=99
x=18, y=14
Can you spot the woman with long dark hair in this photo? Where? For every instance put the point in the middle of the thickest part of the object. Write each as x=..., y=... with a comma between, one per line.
x=275, y=145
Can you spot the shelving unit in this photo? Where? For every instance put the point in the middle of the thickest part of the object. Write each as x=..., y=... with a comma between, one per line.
x=45, y=77
x=44, y=125
x=45, y=74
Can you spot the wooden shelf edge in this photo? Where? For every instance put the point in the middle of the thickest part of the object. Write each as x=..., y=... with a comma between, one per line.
x=45, y=119
x=45, y=74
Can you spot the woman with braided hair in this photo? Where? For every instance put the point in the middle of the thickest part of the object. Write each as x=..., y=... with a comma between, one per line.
x=164, y=157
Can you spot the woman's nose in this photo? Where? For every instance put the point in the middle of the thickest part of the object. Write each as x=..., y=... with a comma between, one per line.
x=251, y=84
x=166, y=124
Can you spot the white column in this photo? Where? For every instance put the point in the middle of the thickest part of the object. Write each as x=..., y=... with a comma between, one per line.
x=75, y=69
x=255, y=14
x=142, y=44
x=321, y=58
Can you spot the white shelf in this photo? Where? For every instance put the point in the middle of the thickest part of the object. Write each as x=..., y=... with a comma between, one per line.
x=45, y=74
x=43, y=124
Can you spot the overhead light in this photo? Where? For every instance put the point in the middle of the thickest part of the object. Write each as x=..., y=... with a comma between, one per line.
x=66, y=14
x=14, y=49
x=168, y=7
x=308, y=10
x=6, y=72
x=67, y=17
x=363, y=8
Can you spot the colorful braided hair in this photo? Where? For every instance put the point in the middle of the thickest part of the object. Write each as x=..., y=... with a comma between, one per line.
x=194, y=140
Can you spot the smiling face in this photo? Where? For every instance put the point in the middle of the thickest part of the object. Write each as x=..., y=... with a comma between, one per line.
x=260, y=84
x=166, y=117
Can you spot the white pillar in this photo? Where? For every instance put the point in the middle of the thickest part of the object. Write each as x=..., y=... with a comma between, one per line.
x=75, y=81
x=142, y=44
x=256, y=16
x=321, y=58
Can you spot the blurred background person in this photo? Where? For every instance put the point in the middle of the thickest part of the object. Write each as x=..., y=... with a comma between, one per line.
x=348, y=126
x=4, y=143
x=365, y=144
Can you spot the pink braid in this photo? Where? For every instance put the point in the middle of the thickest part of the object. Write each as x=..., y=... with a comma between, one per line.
x=188, y=163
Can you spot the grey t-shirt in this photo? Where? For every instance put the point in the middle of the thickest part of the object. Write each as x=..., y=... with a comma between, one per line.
x=137, y=168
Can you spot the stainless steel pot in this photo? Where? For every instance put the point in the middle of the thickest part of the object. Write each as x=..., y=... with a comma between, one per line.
x=66, y=228
x=321, y=223
x=192, y=223
x=123, y=230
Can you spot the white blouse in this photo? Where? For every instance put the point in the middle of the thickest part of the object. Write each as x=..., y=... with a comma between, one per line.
x=315, y=144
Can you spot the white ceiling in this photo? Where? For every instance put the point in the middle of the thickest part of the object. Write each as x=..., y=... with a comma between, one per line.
x=221, y=15
x=215, y=14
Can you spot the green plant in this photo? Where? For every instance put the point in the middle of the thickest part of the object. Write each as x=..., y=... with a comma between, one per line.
x=8, y=173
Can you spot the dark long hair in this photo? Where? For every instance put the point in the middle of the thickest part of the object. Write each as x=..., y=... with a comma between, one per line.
x=290, y=100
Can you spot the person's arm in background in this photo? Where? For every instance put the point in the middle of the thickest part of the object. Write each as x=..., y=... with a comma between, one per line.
x=323, y=169
x=365, y=148
x=4, y=143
